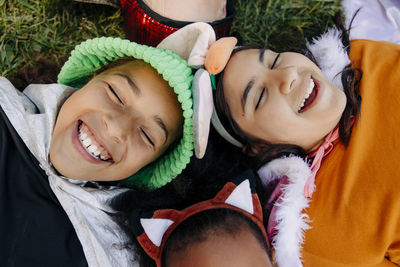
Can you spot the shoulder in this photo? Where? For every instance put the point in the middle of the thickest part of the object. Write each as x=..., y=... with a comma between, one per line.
x=363, y=50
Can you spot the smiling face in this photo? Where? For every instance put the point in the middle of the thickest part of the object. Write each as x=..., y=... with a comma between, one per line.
x=281, y=98
x=119, y=122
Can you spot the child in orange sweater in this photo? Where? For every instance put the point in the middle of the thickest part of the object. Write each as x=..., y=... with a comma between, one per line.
x=335, y=187
x=343, y=208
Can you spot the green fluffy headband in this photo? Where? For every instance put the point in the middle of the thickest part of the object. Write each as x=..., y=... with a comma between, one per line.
x=91, y=55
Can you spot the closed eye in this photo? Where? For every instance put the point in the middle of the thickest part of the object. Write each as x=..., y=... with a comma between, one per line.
x=115, y=93
x=275, y=60
x=259, y=99
x=147, y=137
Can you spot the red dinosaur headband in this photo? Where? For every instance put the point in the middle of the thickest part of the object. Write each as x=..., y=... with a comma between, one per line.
x=152, y=229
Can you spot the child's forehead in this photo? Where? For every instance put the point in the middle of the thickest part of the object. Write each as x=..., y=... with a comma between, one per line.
x=240, y=244
x=251, y=52
x=123, y=63
x=130, y=66
x=129, y=63
x=242, y=57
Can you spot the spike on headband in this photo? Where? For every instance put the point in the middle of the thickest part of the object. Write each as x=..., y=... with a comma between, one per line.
x=197, y=44
x=152, y=229
x=204, y=111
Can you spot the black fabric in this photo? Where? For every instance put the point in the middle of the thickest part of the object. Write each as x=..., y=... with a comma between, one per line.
x=34, y=229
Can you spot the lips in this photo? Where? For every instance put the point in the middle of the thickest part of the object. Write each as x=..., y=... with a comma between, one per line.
x=310, y=96
x=89, y=146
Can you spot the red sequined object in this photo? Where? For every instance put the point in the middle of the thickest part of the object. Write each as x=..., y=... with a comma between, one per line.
x=144, y=26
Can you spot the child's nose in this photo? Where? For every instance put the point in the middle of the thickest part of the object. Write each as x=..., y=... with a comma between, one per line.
x=120, y=125
x=283, y=78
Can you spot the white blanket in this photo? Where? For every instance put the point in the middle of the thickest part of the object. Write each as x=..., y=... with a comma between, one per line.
x=377, y=20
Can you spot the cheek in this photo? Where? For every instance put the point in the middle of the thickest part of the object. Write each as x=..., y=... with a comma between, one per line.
x=340, y=101
x=86, y=98
x=85, y=101
x=139, y=155
x=131, y=165
x=332, y=106
x=64, y=119
x=70, y=108
x=278, y=122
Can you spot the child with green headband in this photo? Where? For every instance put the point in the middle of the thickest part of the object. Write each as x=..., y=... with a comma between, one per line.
x=130, y=121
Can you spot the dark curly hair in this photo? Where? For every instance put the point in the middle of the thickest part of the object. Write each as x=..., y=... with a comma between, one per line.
x=199, y=227
x=201, y=180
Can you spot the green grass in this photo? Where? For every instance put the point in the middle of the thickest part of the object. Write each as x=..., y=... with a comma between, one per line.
x=282, y=25
x=49, y=29
x=33, y=29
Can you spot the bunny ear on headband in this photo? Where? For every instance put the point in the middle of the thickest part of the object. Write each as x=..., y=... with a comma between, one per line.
x=153, y=228
x=196, y=43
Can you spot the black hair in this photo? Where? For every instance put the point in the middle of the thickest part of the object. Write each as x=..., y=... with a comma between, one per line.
x=43, y=72
x=196, y=228
x=199, y=227
x=199, y=181
x=263, y=151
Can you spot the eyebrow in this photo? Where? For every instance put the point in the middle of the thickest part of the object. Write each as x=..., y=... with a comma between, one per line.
x=131, y=83
x=250, y=84
x=246, y=92
x=161, y=123
x=261, y=56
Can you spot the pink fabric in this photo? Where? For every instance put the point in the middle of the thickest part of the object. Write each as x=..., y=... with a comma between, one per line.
x=272, y=206
x=318, y=155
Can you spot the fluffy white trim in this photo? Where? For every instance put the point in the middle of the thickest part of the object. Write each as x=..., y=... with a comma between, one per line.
x=330, y=55
x=291, y=221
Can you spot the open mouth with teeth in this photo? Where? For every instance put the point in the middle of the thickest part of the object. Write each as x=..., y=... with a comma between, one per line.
x=310, y=96
x=91, y=146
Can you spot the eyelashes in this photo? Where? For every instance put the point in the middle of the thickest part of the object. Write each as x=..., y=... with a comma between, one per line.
x=147, y=137
x=263, y=90
x=275, y=60
x=259, y=99
x=115, y=93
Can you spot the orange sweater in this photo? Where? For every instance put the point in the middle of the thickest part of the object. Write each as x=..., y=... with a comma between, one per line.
x=355, y=210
